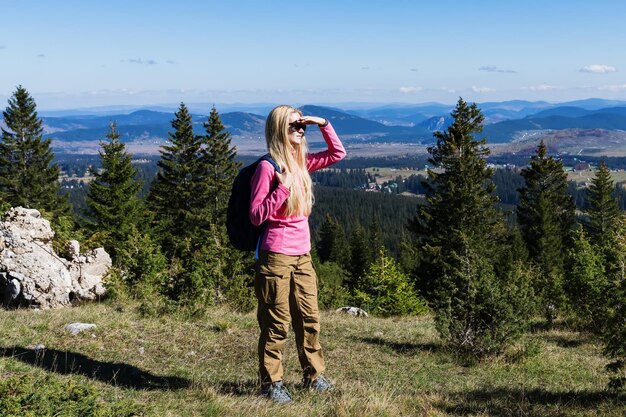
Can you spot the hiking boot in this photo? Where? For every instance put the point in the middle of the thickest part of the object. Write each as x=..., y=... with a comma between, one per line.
x=277, y=392
x=319, y=384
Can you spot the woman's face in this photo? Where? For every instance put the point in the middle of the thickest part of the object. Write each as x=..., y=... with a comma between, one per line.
x=296, y=130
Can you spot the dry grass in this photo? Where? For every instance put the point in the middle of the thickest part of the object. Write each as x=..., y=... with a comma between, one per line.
x=206, y=366
x=619, y=177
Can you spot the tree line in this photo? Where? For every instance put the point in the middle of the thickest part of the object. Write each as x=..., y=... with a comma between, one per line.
x=482, y=278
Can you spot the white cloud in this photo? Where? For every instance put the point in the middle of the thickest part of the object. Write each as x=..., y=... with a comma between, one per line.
x=598, y=69
x=410, y=89
x=482, y=89
x=540, y=87
x=118, y=92
x=493, y=68
x=614, y=88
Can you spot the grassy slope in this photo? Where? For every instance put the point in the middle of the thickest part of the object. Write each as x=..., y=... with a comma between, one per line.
x=206, y=365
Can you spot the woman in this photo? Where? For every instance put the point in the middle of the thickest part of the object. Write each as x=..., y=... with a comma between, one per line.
x=285, y=283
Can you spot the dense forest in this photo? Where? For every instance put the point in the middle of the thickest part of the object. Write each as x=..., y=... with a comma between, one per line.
x=341, y=191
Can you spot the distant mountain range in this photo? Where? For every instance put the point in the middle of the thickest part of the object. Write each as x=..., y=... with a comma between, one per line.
x=559, y=118
x=413, y=124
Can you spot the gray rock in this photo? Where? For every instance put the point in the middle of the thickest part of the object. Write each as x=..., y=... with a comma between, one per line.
x=41, y=278
x=12, y=291
x=76, y=328
x=353, y=311
x=73, y=247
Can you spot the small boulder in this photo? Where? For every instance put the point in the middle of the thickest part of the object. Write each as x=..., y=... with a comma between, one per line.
x=76, y=328
x=353, y=311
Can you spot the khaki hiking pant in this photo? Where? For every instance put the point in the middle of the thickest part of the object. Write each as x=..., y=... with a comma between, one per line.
x=286, y=288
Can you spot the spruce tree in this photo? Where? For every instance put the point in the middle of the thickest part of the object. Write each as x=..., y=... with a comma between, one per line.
x=459, y=233
x=28, y=178
x=545, y=215
x=587, y=285
x=177, y=193
x=360, y=254
x=220, y=165
x=114, y=207
x=603, y=208
x=188, y=198
x=333, y=245
x=407, y=255
x=375, y=236
x=460, y=201
x=219, y=170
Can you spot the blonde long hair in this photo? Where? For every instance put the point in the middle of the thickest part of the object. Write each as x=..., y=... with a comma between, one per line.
x=293, y=158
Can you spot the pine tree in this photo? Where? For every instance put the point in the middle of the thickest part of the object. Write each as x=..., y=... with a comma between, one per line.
x=460, y=202
x=545, y=216
x=219, y=162
x=178, y=191
x=375, y=236
x=28, y=178
x=218, y=171
x=603, y=207
x=188, y=198
x=333, y=245
x=360, y=255
x=114, y=207
x=459, y=233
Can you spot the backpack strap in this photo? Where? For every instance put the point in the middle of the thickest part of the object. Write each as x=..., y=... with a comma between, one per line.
x=267, y=157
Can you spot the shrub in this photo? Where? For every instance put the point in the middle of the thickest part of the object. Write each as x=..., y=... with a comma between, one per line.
x=614, y=332
x=237, y=288
x=587, y=283
x=385, y=290
x=331, y=292
x=141, y=263
x=25, y=395
x=485, y=313
x=615, y=338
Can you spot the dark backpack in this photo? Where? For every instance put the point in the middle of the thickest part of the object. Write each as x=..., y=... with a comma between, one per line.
x=243, y=235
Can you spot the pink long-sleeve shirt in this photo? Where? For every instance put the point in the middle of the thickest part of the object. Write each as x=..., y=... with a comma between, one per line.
x=287, y=235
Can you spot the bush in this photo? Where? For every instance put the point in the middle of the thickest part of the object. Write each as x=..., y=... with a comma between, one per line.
x=614, y=332
x=615, y=338
x=587, y=284
x=237, y=288
x=385, y=290
x=28, y=396
x=141, y=263
x=331, y=292
x=484, y=314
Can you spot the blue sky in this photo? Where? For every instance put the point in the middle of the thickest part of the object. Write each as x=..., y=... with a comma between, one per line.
x=72, y=54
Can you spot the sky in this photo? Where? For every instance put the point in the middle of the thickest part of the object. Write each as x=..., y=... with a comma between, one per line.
x=78, y=54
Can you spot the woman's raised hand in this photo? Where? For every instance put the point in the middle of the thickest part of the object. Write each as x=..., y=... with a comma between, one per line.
x=312, y=120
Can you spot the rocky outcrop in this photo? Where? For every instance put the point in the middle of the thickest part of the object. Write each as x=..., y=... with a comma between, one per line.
x=31, y=274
